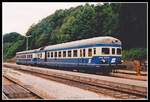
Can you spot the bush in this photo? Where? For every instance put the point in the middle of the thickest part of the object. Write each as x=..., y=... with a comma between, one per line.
x=134, y=53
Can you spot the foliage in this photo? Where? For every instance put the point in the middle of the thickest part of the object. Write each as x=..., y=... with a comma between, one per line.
x=73, y=24
x=125, y=21
x=13, y=42
x=135, y=53
x=11, y=37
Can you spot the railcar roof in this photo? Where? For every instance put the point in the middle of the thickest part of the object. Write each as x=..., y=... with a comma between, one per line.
x=83, y=42
x=90, y=41
x=27, y=51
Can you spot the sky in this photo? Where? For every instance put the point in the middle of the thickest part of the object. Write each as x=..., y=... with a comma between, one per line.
x=18, y=17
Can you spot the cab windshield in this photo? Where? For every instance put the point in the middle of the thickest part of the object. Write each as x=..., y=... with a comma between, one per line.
x=118, y=51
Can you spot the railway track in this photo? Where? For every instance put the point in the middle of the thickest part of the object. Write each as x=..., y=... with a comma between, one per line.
x=125, y=71
x=100, y=90
x=11, y=90
x=4, y=97
x=128, y=75
x=106, y=88
x=118, y=74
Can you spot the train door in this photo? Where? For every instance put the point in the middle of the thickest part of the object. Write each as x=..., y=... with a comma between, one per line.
x=45, y=58
x=82, y=63
x=81, y=57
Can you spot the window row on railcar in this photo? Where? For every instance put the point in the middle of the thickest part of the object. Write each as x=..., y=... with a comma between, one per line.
x=24, y=56
x=113, y=51
x=29, y=56
x=85, y=52
x=21, y=56
x=71, y=53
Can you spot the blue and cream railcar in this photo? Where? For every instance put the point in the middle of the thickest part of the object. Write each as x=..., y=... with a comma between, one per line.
x=92, y=52
x=87, y=53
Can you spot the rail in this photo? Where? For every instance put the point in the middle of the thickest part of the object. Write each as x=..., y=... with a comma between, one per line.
x=12, y=90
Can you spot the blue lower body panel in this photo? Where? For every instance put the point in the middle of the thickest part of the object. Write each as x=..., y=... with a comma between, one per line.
x=75, y=63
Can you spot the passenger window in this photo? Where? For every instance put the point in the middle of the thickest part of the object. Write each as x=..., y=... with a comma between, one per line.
x=89, y=52
x=51, y=54
x=69, y=53
x=80, y=52
x=55, y=54
x=59, y=54
x=118, y=51
x=64, y=53
x=83, y=52
x=74, y=53
x=113, y=51
x=105, y=50
x=94, y=51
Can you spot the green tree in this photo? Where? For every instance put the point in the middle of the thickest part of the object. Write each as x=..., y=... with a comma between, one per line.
x=135, y=53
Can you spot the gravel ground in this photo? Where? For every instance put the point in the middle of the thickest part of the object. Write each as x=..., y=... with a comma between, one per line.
x=54, y=90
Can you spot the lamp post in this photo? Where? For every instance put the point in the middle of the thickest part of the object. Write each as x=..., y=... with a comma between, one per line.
x=27, y=42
